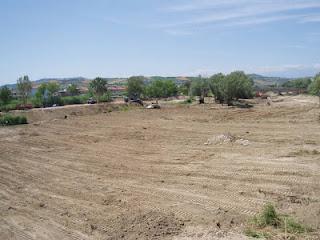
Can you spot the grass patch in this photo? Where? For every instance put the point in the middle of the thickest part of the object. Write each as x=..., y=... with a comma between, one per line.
x=188, y=101
x=12, y=105
x=8, y=120
x=71, y=100
x=255, y=234
x=269, y=223
x=124, y=108
x=268, y=217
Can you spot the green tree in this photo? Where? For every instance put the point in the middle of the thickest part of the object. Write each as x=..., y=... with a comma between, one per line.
x=301, y=83
x=52, y=88
x=231, y=87
x=41, y=94
x=73, y=89
x=24, y=87
x=216, y=86
x=314, y=87
x=200, y=87
x=237, y=85
x=161, y=88
x=5, y=95
x=184, y=88
x=98, y=87
x=136, y=87
x=53, y=96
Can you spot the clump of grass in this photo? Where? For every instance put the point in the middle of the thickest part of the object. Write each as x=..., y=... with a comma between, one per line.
x=255, y=234
x=8, y=120
x=124, y=108
x=292, y=226
x=268, y=217
x=269, y=221
x=188, y=101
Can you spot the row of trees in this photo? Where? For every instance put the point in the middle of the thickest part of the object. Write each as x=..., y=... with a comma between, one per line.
x=301, y=83
x=224, y=88
x=24, y=87
x=47, y=94
x=309, y=84
x=137, y=88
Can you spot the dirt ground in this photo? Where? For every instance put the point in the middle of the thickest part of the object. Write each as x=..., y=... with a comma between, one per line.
x=118, y=173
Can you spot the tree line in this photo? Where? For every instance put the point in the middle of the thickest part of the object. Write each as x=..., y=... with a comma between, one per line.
x=47, y=94
x=224, y=88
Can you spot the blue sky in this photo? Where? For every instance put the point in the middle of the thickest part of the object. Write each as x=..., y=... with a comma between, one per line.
x=66, y=38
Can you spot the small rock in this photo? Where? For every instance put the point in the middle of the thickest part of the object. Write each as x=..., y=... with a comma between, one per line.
x=218, y=225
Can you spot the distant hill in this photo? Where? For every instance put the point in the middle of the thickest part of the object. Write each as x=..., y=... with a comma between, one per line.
x=263, y=81
x=259, y=80
x=62, y=81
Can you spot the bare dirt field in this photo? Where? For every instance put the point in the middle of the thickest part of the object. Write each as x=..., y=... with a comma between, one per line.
x=181, y=172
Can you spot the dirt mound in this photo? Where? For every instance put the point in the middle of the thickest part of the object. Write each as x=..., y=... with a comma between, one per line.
x=227, y=138
x=149, y=225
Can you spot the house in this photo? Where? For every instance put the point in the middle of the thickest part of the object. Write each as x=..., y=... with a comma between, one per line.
x=117, y=90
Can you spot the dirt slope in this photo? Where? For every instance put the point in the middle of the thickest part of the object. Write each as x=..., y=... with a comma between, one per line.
x=148, y=174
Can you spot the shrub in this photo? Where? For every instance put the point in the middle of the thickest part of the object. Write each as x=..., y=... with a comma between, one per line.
x=54, y=100
x=188, y=101
x=161, y=88
x=106, y=97
x=294, y=227
x=73, y=100
x=8, y=107
x=7, y=120
x=269, y=221
x=268, y=217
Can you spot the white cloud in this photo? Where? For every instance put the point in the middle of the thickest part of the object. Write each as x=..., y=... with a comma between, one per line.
x=296, y=46
x=178, y=32
x=287, y=68
x=311, y=18
x=266, y=6
x=199, y=13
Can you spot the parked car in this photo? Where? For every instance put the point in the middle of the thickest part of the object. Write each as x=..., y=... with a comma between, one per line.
x=91, y=101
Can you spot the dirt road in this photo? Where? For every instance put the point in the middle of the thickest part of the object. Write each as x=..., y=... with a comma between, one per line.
x=148, y=174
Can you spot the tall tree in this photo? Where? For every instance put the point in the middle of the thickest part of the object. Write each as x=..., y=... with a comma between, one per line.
x=24, y=87
x=98, y=87
x=230, y=87
x=314, y=87
x=135, y=87
x=73, y=89
x=161, y=88
x=184, y=88
x=5, y=95
x=41, y=93
x=52, y=88
x=200, y=87
x=215, y=84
